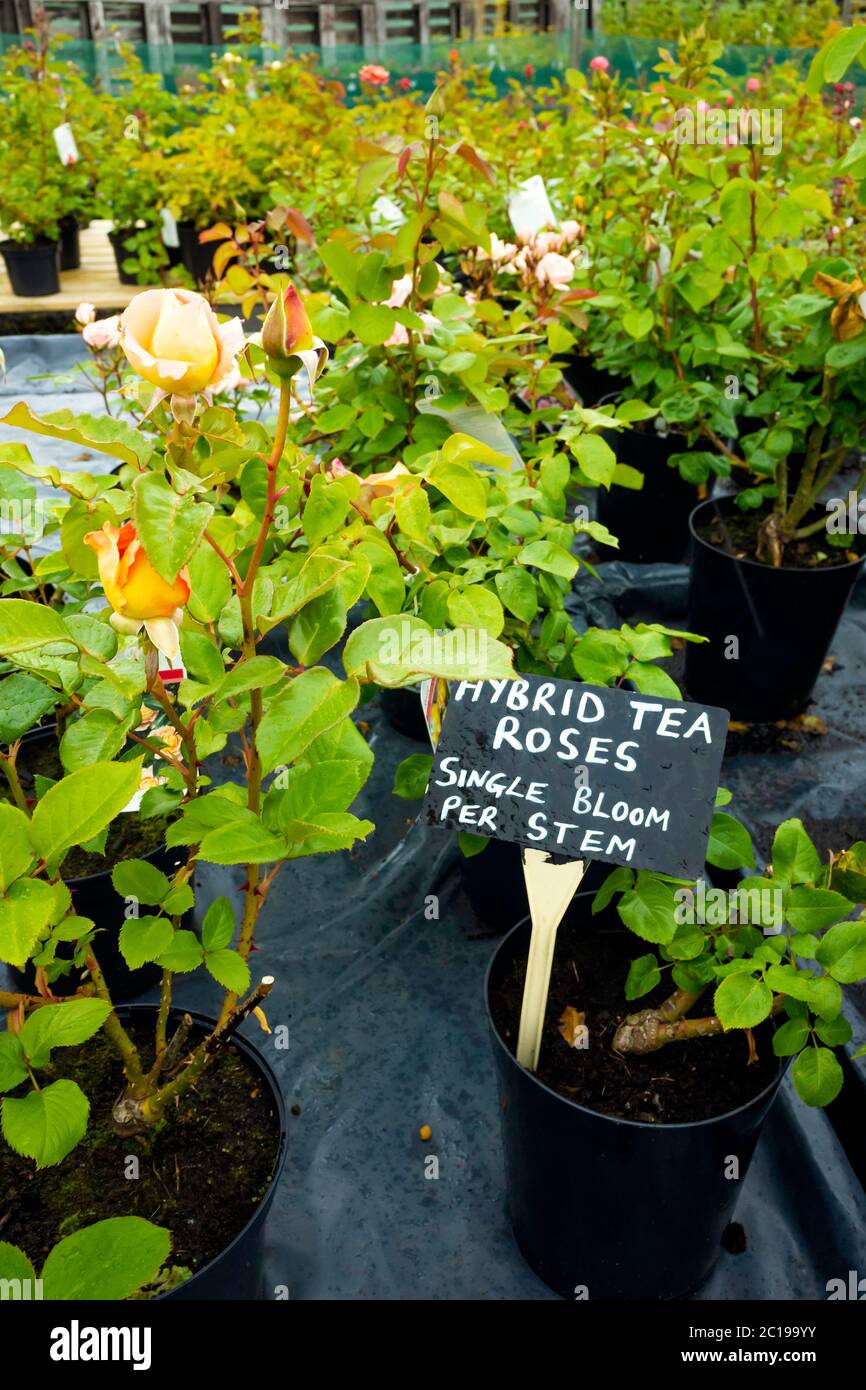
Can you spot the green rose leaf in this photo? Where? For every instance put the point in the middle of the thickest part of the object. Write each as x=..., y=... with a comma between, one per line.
x=138, y=878
x=25, y=910
x=649, y=909
x=791, y=1037
x=730, y=844
x=313, y=703
x=218, y=926
x=82, y=805
x=401, y=650
x=23, y=702
x=842, y=951
x=184, y=953
x=169, y=526
x=412, y=776
x=111, y=1259
x=16, y=852
x=741, y=1001
x=61, y=1025
x=25, y=626
x=228, y=969
x=46, y=1125
x=817, y=1076
x=795, y=858
x=811, y=909
x=144, y=939
x=643, y=975
x=12, y=1068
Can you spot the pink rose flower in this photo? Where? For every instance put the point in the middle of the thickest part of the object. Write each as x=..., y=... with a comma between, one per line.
x=570, y=230
x=375, y=74
x=599, y=63
x=85, y=313
x=554, y=270
x=703, y=106
x=103, y=333
x=753, y=84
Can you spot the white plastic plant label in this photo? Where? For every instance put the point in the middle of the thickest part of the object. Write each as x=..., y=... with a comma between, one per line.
x=481, y=425
x=386, y=214
x=529, y=208
x=67, y=149
x=168, y=229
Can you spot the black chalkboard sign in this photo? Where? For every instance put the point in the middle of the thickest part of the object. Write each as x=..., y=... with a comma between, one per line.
x=579, y=770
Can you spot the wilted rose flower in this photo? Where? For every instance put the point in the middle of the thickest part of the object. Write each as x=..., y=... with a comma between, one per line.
x=85, y=313
x=554, y=270
x=172, y=338
x=375, y=74
x=103, y=333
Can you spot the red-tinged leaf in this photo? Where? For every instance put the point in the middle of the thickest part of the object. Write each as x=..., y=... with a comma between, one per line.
x=403, y=161
x=299, y=226
x=276, y=218
x=471, y=155
x=571, y=295
x=219, y=232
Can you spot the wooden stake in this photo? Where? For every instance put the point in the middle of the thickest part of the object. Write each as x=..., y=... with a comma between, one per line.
x=550, y=888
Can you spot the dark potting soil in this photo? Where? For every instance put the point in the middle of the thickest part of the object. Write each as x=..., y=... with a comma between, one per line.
x=739, y=532
x=681, y=1083
x=201, y=1175
x=129, y=836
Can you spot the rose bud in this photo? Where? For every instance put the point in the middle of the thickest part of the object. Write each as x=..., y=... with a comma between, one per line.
x=286, y=332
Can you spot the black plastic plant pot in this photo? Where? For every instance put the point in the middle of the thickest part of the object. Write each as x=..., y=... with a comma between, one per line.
x=494, y=884
x=652, y=523
x=592, y=384
x=402, y=709
x=70, y=247
x=236, y=1273
x=197, y=258
x=34, y=270
x=613, y=1209
x=120, y=246
x=783, y=620
x=96, y=897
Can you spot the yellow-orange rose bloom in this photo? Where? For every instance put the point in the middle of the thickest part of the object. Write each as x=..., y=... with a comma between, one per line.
x=173, y=339
x=136, y=591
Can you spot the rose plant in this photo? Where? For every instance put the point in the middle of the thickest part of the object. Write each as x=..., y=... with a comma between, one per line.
x=186, y=575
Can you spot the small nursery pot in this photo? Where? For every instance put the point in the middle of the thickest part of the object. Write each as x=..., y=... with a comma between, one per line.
x=651, y=524
x=783, y=619
x=95, y=897
x=119, y=246
x=33, y=270
x=622, y=1209
x=592, y=384
x=197, y=258
x=402, y=709
x=70, y=247
x=237, y=1272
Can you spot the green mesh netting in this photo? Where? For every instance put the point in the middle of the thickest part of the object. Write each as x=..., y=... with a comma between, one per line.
x=548, y=54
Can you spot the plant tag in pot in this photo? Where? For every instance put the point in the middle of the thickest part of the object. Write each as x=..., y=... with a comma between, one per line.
x=580, y=771
x=573, y=772
x=529, y=207
x=67, y=149
x=168, y=229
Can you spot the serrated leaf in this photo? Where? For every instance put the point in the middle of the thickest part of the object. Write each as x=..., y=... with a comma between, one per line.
x=109, y=1260
x=218, y=926
x=169, y=526
x=61, y=1025
x=817, y=1076
x=46, y=1125
x=82, y=805
x=144, y=939
x=741, y=1001
x=229, y=969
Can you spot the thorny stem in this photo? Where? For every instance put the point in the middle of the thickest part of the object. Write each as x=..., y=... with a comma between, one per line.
x=14, y=780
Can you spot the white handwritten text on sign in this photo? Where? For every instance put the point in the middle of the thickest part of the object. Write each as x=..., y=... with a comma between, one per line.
x=579, y=770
